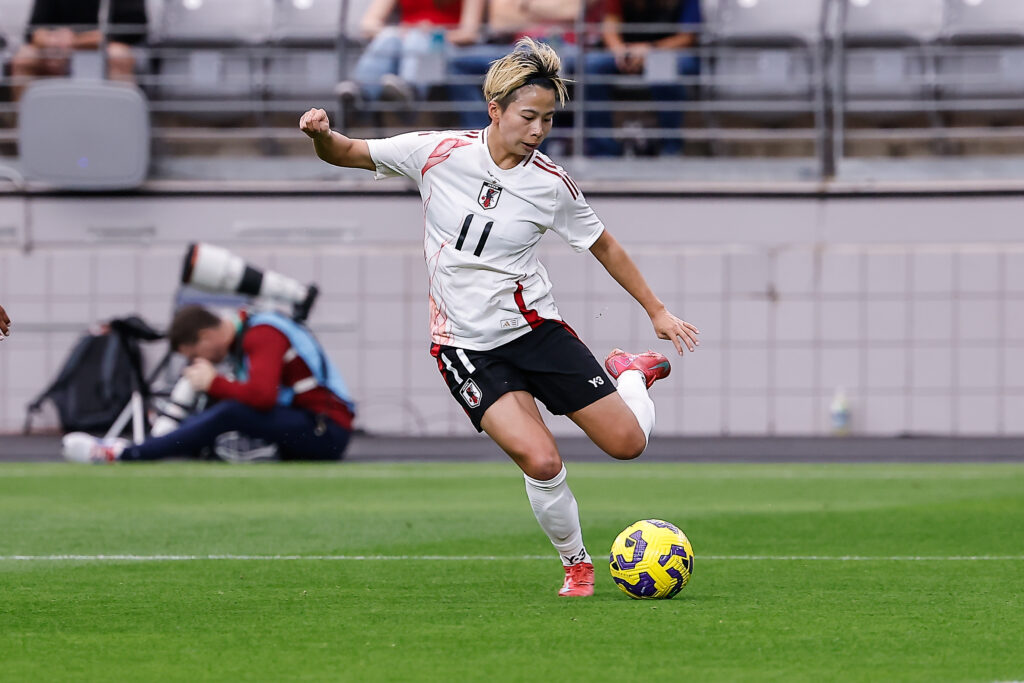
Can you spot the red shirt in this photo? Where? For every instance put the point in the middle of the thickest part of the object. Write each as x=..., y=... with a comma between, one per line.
x=265, y=347
x=439, y=12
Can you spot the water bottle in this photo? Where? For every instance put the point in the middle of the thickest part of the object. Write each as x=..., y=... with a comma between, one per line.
x=839, y=413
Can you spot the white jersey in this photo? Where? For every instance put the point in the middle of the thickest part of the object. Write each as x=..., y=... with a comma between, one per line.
x=481, y=228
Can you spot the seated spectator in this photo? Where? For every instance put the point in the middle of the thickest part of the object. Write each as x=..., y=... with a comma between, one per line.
x=285, y=392
x=507, y=22
x=393, y=64
x=57, y=28
x=627, y=53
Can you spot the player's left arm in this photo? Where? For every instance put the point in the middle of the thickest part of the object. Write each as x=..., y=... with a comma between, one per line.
x=621, y=267
x=5, y=323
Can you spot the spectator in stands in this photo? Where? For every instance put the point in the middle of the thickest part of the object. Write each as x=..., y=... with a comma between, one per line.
x=507, y=21
x=5, y=324
x=286, y=392
x=393, y=64
x=59, y=27
x=627, y=51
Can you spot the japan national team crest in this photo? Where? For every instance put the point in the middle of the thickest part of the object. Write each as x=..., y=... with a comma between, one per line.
x=471, y=394
x=489, y=193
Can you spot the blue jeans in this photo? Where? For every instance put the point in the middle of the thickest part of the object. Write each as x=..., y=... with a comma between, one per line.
x=394, y=50
x=603, y=64
x=292, y=429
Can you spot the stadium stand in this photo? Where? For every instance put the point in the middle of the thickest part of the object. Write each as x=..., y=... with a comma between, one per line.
x=984, y=52
x=787, y=88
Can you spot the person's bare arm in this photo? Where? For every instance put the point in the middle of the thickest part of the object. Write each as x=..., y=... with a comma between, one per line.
x=621, y=267
x=375, y=16
x=5, y=323
x=333, y=147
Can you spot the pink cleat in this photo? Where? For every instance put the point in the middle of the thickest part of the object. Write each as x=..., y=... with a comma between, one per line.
x=579, y=581
x=653, y=364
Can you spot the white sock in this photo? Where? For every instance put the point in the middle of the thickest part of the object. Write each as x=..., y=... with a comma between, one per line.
x=633, y=390
x=555, y=508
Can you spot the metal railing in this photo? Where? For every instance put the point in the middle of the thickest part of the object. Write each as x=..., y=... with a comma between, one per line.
x=253, y=92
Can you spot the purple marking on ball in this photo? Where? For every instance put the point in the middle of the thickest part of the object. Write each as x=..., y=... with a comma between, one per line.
x=639, y=546
x=643, y=588
x=676, y=550
x=664, y=525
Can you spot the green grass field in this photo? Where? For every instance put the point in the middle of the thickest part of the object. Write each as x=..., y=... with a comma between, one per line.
x=803, y=573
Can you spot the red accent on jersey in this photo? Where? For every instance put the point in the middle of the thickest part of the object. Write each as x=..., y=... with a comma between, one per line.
x=265, y=347
x=560, y=171
x=557, y=175
x=531, y=315
x=442, y=152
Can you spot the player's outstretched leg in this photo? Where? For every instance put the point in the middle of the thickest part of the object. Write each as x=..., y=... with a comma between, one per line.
x=621, y=423
x=515, y=424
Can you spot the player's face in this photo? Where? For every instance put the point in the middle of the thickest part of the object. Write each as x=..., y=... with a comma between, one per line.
x=526, y=121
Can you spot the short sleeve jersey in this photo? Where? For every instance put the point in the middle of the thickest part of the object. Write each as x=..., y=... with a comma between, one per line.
x=482, y=224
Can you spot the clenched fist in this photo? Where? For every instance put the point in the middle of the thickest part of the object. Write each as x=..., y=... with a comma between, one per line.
x=315, y=123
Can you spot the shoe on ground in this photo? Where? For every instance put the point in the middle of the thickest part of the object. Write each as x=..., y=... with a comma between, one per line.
x=350, y=96
x=396, y=89
x=652, y=364
x=87, y=449
x=579, y=581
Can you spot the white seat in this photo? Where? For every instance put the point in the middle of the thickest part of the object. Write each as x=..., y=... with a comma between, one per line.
x=764, y=49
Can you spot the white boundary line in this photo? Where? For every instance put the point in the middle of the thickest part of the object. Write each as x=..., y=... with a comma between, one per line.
x=488, y=558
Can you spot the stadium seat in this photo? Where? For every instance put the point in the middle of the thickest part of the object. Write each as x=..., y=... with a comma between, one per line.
x=84, y=135
x=763, y=49
x=886, y=47
x=205, y=47
x=305, y=35
x=983, y=51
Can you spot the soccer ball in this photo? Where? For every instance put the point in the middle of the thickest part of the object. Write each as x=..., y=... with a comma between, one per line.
x=651, y=559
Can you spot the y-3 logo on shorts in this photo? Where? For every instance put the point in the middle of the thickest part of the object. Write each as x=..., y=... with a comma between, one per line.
x=596, y=382
x=471, y=393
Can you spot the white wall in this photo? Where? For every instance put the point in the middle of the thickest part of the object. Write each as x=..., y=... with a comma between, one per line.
x=914, y=305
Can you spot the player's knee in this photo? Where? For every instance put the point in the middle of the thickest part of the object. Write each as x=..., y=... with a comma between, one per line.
x=628, y=445
x=542, y=463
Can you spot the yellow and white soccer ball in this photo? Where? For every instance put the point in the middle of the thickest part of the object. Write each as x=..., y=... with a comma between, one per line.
x=651, y=559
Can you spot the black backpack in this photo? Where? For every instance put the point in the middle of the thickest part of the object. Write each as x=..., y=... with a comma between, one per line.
x=98, y=377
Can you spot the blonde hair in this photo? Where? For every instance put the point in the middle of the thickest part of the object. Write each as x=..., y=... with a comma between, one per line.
x=529, y=63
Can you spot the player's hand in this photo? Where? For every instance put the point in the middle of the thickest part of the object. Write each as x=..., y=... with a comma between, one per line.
x=679, y=332
x=200, y=374
x=315, y=123
x=5, y=324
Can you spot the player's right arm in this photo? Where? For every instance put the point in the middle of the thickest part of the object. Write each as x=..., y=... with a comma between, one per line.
x=333, y=147
x=4, y=323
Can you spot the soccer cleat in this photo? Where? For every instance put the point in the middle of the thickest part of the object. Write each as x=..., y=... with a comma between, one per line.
x=579, y=581
x=85, y=448
x=652, y=364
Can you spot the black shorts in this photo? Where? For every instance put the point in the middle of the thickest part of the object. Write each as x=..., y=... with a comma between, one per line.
x=549, y=362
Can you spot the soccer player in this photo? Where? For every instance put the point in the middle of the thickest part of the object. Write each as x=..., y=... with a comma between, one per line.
x=488, y=197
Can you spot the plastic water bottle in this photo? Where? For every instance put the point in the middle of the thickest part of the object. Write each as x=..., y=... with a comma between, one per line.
x=839, y=413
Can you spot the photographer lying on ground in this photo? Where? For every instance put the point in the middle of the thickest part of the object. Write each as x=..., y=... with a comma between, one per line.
x=285, y=391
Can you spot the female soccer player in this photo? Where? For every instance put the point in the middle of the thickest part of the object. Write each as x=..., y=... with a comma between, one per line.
x=499, y=342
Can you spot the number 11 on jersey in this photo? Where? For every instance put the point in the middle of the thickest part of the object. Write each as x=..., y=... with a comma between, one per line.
x=465, y=231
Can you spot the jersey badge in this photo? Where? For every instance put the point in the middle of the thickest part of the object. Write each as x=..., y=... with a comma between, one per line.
x=471, y=394
x=489, y=194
